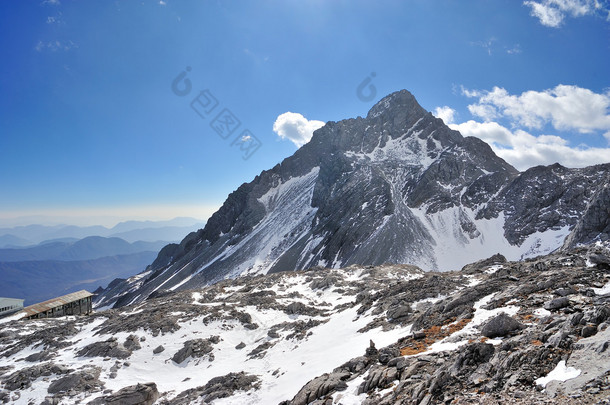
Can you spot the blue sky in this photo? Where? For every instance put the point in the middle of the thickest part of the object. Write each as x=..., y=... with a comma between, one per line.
x=90, y=125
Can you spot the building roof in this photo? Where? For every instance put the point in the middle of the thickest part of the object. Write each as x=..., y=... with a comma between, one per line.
x=11, y=299
x=56, y=302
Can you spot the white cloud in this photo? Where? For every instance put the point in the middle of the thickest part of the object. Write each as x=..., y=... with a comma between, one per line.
x=447, y=114
x=161, y=2
x=295, y=127
x=487, y=45
x=565, y=107
x=516, y=49
x=55, y=46
x=551, y=13
x=524, y=150
x=51, y=2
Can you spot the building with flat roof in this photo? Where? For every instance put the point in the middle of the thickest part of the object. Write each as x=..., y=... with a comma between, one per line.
x=78, y=303
x=10, y=305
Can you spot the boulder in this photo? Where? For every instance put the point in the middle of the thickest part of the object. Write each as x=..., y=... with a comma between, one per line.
x=132, y=343
x=557, y=303
x=500, y=326
x=140, y=394
x=296, y=308
x=320, y=386
x=108, y=348
x=195, y=348
x=218, y=387
x=64, y=383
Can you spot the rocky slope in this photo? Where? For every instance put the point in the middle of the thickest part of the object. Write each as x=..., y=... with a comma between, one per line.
x=533, y=331
x=395, y=187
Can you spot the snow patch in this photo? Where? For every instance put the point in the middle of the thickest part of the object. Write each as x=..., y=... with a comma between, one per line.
x=454, y=248
x=603, y=290
x=559, y=373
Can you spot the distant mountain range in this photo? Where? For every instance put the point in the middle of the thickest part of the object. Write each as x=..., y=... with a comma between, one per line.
x=89, y=248
x=59, y=266
x=130, y=231
x=37, y=281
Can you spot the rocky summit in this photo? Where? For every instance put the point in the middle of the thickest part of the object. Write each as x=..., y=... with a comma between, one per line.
x=528, y=332
x=397, y=186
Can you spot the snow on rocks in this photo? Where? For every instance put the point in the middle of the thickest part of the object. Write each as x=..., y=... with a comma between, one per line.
x=560, y=373
x=365, y=334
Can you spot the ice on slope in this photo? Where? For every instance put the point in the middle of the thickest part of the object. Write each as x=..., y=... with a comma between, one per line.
x=288, y=216
x=454, y=249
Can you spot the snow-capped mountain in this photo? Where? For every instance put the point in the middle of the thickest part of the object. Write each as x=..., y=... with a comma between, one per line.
x=398, y=186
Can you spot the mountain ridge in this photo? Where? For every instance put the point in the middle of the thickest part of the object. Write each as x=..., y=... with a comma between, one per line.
x=40, y=280
x=89, y=248
x=131, y=231
x=397, y=186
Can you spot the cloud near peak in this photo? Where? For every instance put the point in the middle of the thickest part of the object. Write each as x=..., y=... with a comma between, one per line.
x=447, y=114
x=565, y=108
x=524, y=150
x=295, y=127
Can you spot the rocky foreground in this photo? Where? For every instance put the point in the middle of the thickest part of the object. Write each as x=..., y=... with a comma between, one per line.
x=523, y=332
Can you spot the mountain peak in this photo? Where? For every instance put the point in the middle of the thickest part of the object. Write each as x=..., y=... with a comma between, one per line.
x=401, y=100
x=396, y=187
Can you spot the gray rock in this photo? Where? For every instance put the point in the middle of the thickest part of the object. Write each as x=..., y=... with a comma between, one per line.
x=594, y=224
x=323, y=283
x=158, y=349
x=22, y=379
x=218, y=387
x=378, y=378
x=260, y=350
x=387, y=353
x=398, y=312
x=140, y=394
x=80, y=381
x=40, y=356
x=500, y=326
x=64, y=384
x=371, y=350
x=557, y=303
x=588, y=330
x=296, y=308
x=240, y=346
x=108, y=348
x=589, y=355
x=195, y=348
x=564, y=292
x=319, y=387
x=132, y=343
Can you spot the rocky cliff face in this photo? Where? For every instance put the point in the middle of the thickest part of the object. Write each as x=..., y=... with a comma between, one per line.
x=495, y=332
x=594, y=225
x=395, y=187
